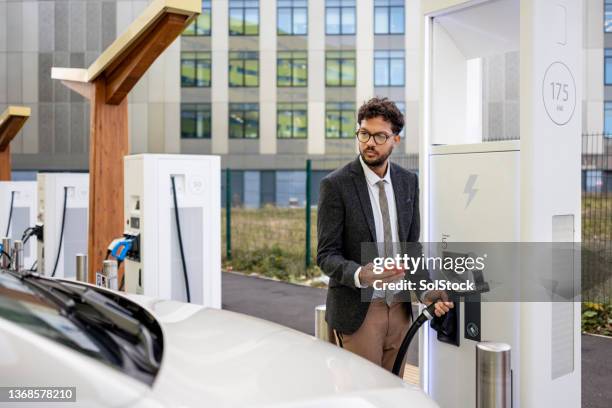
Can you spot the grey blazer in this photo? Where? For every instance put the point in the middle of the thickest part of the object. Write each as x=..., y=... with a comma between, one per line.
x=345, y=221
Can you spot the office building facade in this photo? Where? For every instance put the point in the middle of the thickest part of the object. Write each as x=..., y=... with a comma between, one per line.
x=265, y=84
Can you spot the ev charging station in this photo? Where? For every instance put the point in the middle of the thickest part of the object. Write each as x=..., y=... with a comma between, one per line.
x=18, y=206
x=63, y=202
x=500, y=162
x=173, y=220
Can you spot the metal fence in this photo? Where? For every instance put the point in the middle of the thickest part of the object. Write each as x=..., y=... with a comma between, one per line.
x=597, y=217
x=279, y=239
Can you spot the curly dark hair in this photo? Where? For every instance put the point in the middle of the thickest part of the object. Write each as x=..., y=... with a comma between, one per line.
x=385, y=108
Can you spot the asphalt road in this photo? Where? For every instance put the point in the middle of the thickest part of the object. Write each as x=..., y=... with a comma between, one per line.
x=280, y=302
x=596, y=372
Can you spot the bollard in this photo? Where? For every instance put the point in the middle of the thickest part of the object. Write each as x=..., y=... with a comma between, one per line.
x=110, y=268
x=5, y=262
x=322, y=330
x=17, y=255
x=493, y=375
x=108, y=277
x=81, y=267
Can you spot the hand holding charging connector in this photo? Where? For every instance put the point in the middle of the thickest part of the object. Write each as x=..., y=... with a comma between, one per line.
x=439, y=299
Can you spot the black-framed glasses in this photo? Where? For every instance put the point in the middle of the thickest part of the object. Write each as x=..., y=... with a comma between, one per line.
x=379, y=138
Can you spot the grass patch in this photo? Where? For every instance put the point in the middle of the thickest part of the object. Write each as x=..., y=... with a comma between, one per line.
x=597, y=248
x=271, y=241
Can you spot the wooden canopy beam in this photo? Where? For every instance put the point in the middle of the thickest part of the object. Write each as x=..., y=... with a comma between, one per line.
x=121, y=80
x=11, y=122
x=106, y=84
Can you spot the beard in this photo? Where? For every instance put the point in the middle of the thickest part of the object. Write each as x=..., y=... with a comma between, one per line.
x=377, y=161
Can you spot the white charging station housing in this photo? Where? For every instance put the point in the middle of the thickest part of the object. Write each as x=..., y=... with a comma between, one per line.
x=149, y=211
x=51, y=188
x=25, y=203
x=500, y=162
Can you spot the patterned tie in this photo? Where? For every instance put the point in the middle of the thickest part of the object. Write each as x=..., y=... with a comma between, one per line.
x=388, y=243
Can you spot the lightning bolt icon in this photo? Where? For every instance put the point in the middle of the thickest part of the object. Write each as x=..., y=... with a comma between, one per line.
x=469, y=188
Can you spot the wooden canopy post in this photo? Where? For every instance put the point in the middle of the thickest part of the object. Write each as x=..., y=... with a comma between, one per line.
x=106, y=84
x=11, y=122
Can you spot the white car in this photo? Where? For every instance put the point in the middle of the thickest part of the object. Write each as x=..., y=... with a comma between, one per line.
x=132, y=351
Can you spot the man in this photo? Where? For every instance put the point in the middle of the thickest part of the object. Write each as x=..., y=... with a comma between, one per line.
x=370, y=200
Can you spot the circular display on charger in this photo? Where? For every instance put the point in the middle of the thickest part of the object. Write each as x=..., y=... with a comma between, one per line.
x=559, y=93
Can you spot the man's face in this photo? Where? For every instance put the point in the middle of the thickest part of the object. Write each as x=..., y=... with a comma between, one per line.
x=375, y=154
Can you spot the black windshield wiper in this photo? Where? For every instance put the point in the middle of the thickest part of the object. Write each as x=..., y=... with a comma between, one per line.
x=115, y=314
x=120, y=319
x=115, y=317
x=66, y=302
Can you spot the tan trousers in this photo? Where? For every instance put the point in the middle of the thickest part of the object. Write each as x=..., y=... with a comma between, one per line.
x=380, y=335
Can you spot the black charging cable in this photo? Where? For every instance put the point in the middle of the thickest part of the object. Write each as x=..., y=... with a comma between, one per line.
x=26, y=235
x=180, y=238
x=30, y=232
x=4, y=253
x=426, y=315
x=8, y=225
x=61, y=238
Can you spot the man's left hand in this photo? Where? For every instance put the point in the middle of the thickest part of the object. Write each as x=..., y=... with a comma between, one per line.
x=443, y=305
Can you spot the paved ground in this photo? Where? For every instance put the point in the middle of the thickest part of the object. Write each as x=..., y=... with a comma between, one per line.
x=596, y=372
x=280, y=302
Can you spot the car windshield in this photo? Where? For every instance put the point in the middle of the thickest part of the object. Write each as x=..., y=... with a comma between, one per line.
x=127, y=338
x=24, y=306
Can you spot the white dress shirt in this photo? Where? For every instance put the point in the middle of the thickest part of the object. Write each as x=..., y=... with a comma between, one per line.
x=373, y=190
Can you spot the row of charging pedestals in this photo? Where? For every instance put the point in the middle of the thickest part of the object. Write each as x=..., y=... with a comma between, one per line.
x=178, y=253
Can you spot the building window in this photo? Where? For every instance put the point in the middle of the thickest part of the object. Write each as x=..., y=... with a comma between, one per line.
x=388, y=68
x=608, y=16
x=243, y=120
x=402, y=108
x=388, y=16
x=608, y=66
x=244, y=17
x=608, y=119
x=292, y=68
x=243, y=69
x=201, y=25
x=292, y=17
x=340, y=68
x=592, y=181
x=340, y=17
x=292, y=121
x=195, y=121
x=340, y=120
x=195, y=69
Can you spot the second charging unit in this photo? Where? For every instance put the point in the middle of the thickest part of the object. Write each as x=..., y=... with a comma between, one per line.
x=18, y=205
x=63, y=202
x=500, y=162
x=174, y=260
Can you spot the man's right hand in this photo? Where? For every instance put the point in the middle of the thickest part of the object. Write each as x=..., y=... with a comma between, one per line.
x=367, y=277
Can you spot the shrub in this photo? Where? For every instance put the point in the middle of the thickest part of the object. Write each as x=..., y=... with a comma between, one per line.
x=597, y=318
